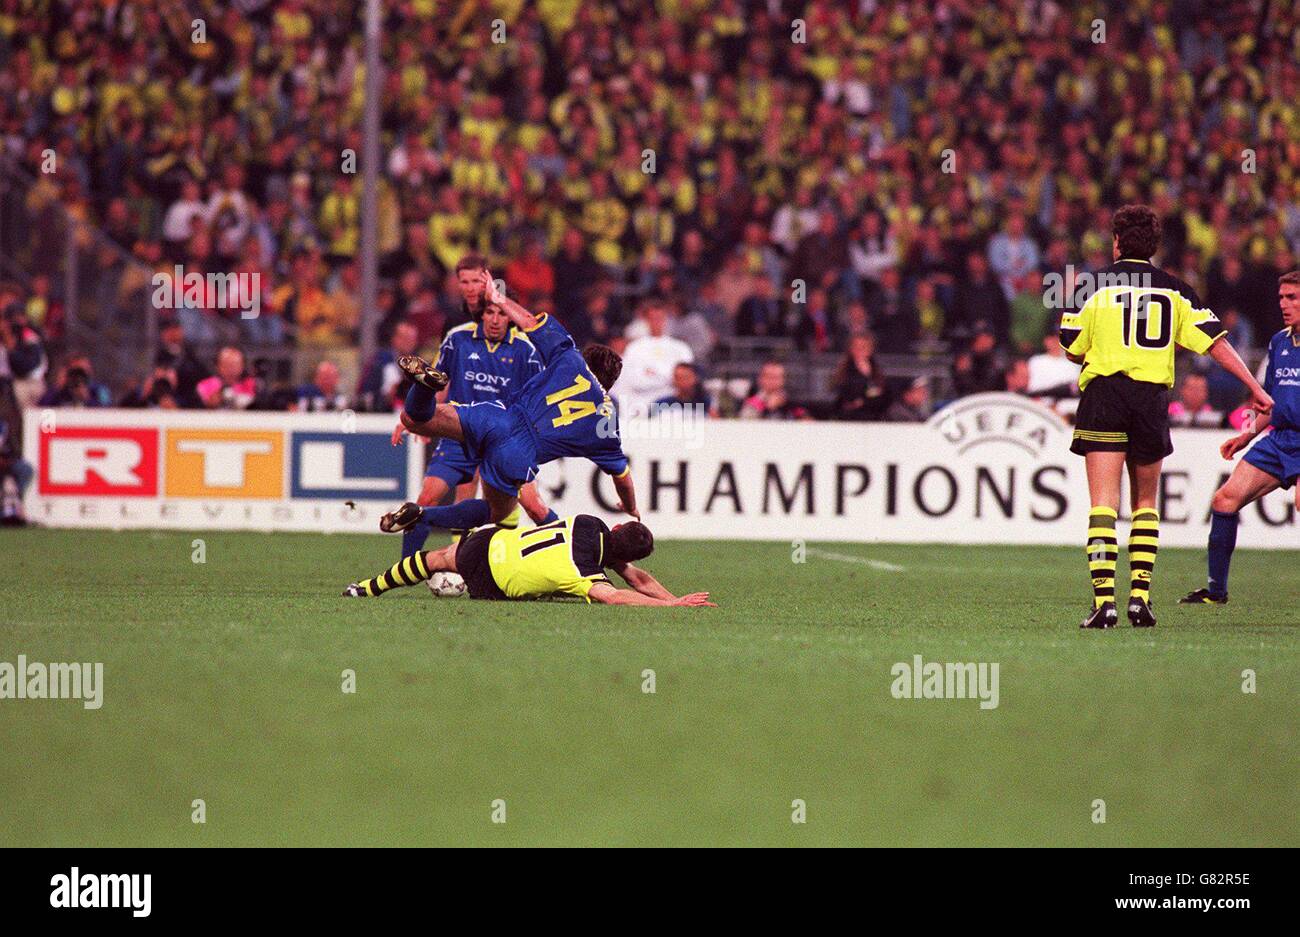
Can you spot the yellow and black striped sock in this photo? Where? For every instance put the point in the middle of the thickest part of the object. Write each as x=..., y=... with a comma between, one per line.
x=1103, y=550
x=1143, y=542
x=407, y=572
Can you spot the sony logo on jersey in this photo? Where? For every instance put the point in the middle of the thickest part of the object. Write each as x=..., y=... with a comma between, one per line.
x=1286, y=372
x=482, y=377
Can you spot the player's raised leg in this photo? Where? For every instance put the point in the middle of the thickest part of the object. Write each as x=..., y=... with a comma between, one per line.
x=463, y=515
x=1143, y=540
x=1246, y=484
x=408, y=571
x=532, y=503
x=443, y=422
x=432, y=493
x=422, y=414
x=511, y=520
x=500, y=503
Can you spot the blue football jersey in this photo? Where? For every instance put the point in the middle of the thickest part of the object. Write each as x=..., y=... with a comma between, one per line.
x=481, y=370
x=1283, y=380
x=567, y=409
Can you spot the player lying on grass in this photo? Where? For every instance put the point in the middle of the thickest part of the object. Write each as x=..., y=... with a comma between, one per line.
x=485, y=360
x=567, y=557
x=1125, y=336
x=1273, y=462
x=563, y=411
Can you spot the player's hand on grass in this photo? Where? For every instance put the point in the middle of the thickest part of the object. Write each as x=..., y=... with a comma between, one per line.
x=696, y=600
x=398, y=432
x=1234, y=445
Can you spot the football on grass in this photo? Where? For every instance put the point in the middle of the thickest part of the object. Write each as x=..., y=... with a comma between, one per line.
x=446, y=585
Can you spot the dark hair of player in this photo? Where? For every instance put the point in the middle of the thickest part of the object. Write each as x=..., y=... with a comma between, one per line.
x=1138, y=230
x=1292, y=278
x=604, y=363
x=628, y=543
x=471, y=262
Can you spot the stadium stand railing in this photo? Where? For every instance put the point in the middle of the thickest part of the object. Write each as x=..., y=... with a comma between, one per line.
x=104, y=292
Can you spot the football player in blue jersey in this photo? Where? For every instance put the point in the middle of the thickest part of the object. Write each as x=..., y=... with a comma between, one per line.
x=1273, y=462
x=485, y=359
x=563, y=411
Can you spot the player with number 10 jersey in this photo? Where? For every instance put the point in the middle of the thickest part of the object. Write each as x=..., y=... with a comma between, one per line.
x=1125, y=336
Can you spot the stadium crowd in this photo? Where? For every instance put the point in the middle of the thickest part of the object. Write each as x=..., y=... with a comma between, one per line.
x=673, y=179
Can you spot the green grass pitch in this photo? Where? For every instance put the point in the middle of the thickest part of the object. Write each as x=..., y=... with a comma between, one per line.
x=222, y=682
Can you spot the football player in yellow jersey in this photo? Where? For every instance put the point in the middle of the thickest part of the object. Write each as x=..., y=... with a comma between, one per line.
x=567, y=557
x=1124, y=336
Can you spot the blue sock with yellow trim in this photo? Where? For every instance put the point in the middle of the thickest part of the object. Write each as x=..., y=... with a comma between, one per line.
x=463, y=515
x=420, y=403
x=1223, y=540
x=414, y=537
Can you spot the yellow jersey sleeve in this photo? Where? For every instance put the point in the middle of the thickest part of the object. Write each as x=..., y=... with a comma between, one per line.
x=1076, y=329
x=1198, y=328
x=581, y=585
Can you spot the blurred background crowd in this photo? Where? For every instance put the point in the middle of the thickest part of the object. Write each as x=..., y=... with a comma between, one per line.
x=852, y=222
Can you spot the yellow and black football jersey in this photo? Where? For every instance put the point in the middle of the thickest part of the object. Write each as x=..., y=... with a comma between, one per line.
x=1132, y=328
x=566, y=556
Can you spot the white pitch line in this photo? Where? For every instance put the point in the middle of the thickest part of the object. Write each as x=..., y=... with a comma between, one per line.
x=861, y=560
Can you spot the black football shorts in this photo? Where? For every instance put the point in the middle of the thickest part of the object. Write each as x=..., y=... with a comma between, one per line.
x=473, y=566
x=1119, y=414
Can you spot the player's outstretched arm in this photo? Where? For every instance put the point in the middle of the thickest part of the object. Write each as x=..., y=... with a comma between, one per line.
x=1227, y=357
x=548, y=336
x=1243, y=439
x=643, y=582
x=608, y=595
x=626, y=494
x=521, y=317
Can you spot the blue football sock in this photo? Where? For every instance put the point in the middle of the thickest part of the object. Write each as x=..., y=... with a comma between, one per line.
x=550, y=516
x=413, y=537
x=420, y=403
x=463, y=515
x=1223, y=539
